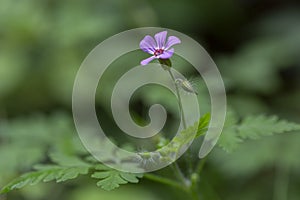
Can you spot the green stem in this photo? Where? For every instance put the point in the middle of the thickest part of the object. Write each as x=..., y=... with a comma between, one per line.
x=165, y=181
x=179, y=99
x=194, y=194
x=188, y=156
x=189, y=153
x=200, y=166
x=188, y=185
x=179, y=174
x=172, y=183
x=195, y=178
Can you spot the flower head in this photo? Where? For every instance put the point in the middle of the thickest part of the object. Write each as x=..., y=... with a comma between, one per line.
x=159, y=47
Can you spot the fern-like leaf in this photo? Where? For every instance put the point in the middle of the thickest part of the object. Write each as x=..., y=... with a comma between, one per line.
x=252, y=127
x=66, y=168
x=45, y=173
x=229, y=139
x=111, y=179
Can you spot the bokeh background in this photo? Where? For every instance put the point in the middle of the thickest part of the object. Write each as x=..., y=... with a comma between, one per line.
x=255, y=44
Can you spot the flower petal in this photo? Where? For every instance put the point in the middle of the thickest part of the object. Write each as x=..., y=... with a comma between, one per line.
x=172, y=40
x=161, y=39
x=148, y=44
x=167, y=54
x=147, y=60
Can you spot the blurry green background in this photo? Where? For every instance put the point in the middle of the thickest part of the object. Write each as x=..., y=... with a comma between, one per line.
x=255, y=44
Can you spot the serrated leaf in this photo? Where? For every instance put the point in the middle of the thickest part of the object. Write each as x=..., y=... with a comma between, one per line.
x=254, y=127
x=229, y=139
x=101, y=175
x=203, y=124
x=199, y=128
x=66, y=160
x=46, y=173
x=111, y=182
x=129, y=177
x=185, y=136
x=111, y=179
x=102, y=167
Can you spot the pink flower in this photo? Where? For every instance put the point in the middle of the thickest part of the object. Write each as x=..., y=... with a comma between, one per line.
x=158, y=48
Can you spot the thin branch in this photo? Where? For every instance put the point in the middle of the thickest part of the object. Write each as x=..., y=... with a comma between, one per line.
x=164, y=180
x=179, y=99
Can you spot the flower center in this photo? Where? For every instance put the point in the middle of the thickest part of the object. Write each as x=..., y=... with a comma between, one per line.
x=158, y=52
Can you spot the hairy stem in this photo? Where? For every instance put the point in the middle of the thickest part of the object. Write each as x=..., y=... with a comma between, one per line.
x=195, y=178
x=200, y=166
x=194, y=194
x=179, y=99
x=188, y=156
x=179, y=174
x=165, y=181
x=191, y=187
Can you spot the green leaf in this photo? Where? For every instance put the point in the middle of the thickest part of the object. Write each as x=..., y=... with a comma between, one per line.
x=185, y=136
x=111, y=178
x=254, y=127
x=67, y=167
x=45, y=173
x=199, y=128
x=67, y=160
x=229, y=139
x=203, y=124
